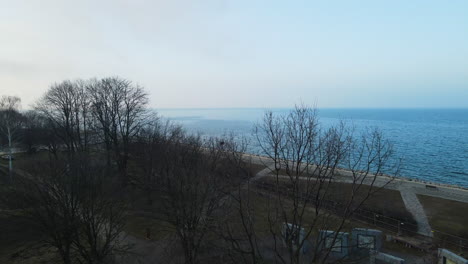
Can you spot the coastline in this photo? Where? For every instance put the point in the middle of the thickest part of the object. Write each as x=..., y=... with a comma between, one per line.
x=401, y=181
x=429, y=141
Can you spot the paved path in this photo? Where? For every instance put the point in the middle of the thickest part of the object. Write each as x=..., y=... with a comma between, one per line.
x=413, y=206
x=246, y=184
x=265, y=172
x=440, y=190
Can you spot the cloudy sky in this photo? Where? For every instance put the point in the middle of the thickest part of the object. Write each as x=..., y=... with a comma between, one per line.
x=243, y=53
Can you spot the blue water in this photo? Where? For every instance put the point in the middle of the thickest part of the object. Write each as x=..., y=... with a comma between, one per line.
x=432, y=143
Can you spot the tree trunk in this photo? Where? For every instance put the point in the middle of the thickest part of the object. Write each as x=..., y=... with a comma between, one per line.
x=10, y=163
x=189, y=253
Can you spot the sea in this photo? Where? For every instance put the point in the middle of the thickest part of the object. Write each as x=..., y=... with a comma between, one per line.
x=432, y=144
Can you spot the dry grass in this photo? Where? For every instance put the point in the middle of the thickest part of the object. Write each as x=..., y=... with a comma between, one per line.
x=383, y=201
x=446, y=215
x=262, y=206
x=25, y=160
x=138, y=225
x=450, y=220
x=20, y=241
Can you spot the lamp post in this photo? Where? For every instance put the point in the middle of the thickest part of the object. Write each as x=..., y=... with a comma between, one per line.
x=399, y=227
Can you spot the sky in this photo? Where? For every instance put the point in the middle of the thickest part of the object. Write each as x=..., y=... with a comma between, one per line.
x=243, y=53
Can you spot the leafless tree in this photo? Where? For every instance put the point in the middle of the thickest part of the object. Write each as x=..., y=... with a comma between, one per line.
x=149, y=151
x=66, y=106
x=237, y=225
x=119, y=107
x=308, y=160
x=189, y=194
x=36, y=132
x=189, y=183
x=102, y=218
x=10, y=123
x=76, y=209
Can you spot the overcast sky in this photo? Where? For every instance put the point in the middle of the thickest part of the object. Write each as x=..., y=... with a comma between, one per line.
x=243, y=53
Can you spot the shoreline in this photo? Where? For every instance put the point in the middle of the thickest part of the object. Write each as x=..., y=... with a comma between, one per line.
x=400, y=179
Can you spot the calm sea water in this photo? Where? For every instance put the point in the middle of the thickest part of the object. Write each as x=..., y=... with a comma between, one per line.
x=433, y=143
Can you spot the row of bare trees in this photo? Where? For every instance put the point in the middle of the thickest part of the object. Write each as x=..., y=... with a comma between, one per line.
x=204, y=189
x=77, y=209
x=76, y=196
x=84, y=114
x=76, y=206
x=192, y=179
x=308, y=189
x=79, y=117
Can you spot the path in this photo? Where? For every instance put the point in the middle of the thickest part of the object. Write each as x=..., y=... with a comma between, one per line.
x=413, y=206
x=267, y=170
x=150, y=251
x=441, y=191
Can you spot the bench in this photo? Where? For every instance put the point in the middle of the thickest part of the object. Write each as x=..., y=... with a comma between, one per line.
x=431, y=187
x=410, y=242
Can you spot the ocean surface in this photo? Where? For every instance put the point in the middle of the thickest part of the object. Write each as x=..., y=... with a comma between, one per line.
x=432, y=143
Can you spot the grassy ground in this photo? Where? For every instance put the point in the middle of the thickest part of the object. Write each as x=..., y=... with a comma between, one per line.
x=384, y=201
x=20, y=241
x=139, y=225
x=3, y=175
x=28, y=162
x=255, y=168
x=446, y=215
x=19, y=237
x=262, y=203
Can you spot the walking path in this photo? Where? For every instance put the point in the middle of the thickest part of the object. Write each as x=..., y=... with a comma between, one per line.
x=413, y=206
x=440, y=191
x=262, y=173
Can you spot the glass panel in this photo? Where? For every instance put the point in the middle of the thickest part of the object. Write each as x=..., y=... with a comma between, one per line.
x=366, y=241
x=336, y=247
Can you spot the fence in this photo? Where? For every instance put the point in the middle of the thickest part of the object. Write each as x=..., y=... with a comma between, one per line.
x=377, y=219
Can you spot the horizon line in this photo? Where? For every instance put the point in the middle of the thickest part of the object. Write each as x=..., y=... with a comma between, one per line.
x=290, y=107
